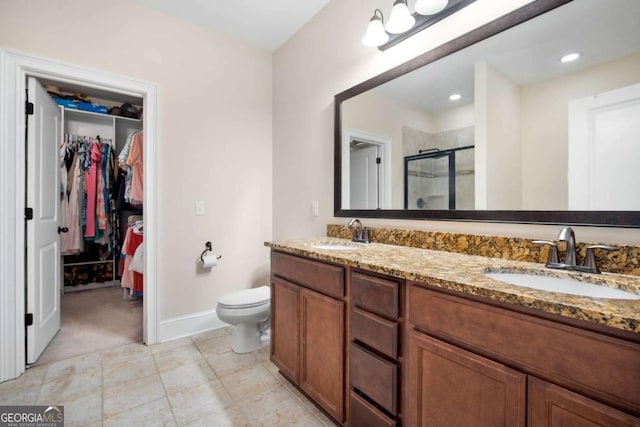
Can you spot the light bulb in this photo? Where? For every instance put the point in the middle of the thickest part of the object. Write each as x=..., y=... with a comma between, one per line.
x=400, y=19
x=570, y=57
x=430, y=7
x=376, y=35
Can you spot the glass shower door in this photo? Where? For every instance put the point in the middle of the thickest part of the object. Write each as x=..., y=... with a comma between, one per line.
x=428, y=183
x=438, y=179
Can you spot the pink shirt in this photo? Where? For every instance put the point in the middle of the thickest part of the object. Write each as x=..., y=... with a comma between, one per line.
x=96, y=157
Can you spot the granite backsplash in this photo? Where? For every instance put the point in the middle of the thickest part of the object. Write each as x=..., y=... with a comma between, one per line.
x=625, y=260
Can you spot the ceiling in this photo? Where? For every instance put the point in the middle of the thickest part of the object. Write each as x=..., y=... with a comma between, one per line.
x=528, y=53
x=265, y=24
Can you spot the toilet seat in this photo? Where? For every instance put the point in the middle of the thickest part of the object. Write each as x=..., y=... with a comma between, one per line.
x=246, y=298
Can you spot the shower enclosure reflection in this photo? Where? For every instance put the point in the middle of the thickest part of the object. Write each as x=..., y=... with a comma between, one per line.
x=440, y=179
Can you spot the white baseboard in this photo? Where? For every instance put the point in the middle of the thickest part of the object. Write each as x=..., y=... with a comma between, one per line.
x=184, y=326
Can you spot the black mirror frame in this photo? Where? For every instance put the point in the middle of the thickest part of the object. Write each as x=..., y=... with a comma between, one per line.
x=527, y=12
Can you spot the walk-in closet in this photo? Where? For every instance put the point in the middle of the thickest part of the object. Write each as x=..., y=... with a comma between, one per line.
x=101, y=219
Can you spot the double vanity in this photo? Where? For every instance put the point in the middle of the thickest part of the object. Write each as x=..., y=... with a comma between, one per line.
x=385, y=335
x=443, y=329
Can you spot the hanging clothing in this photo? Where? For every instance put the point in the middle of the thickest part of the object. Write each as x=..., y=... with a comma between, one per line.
x=88, y=202
x=130, y=160
x=134, y=160
x=71, y=239
x=132, y=279
x=92, y=182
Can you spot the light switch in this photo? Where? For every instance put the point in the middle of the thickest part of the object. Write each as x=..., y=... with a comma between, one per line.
x=200, y=208
x=314, y=208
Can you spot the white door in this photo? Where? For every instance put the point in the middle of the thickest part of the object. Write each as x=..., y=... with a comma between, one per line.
x=365, y=178
x=604, y=151
x=43, y=243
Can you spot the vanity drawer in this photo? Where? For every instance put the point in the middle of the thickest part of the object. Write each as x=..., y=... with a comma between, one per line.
x=375, y=377
x=375, y=332
x=363, y=413
x=325, y=278
x=379, y=296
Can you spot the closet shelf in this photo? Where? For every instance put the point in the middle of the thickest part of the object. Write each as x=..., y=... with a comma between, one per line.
x=73, y=111
x=89, y=262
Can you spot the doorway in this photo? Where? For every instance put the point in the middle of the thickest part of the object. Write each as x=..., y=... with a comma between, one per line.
x=80, y=171
x=16, y=67
x=367, y=164
x=603, y=150
x=364, y=176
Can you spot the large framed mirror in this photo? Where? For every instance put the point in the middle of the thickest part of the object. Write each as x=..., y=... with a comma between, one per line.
x=534, y=139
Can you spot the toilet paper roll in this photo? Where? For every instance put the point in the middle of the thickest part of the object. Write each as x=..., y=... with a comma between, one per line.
x=209, y=261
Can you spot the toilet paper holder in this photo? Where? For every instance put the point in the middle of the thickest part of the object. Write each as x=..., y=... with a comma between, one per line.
x=208, y=248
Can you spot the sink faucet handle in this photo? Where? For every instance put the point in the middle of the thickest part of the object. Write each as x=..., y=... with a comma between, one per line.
x=552, y=258
x=590, y=263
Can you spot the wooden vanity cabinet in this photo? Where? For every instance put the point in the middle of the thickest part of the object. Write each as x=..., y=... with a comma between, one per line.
x=472, y=363
x=285, y=327
x=375, y=350
x=322, y=351
x=449, y=386
x=308, y=328
x=550, y=406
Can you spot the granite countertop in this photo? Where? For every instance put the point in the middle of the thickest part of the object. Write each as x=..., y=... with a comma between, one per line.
x=465, y=273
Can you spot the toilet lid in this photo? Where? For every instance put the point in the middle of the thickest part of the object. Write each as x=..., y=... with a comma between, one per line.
x=246, y=297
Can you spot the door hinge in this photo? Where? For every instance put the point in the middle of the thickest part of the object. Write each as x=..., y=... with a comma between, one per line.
x=378, y=160
x=29, y=108
x=28, y=319
x=28, y=213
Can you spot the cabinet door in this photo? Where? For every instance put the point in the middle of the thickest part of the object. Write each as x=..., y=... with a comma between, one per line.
x=285, y=328
x=449, y=386
x=550, y=405
x=322, y=351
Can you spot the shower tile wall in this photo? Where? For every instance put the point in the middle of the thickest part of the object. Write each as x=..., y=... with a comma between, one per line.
x=414, y=140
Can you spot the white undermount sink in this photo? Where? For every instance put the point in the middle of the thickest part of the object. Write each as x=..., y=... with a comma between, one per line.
x=336, y=246
x=561, y=285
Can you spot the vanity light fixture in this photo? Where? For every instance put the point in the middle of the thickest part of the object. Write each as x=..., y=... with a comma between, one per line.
x=430, y=7
x=376, y=35
x=402, y=23
x=570, y=57
x=400, y=19
x=455, y=97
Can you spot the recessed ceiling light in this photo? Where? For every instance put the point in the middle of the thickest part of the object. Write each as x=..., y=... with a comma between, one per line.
x=570, y=57
x=455, y=97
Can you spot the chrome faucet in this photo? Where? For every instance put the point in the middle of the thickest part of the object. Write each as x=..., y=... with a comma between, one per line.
x=359, y=233
x=567, y=235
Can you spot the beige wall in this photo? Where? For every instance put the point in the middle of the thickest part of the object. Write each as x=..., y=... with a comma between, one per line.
x=374, y=113
x=545, y=109
x=454, y=118
x=327, y=57
x=497, y=136
x=214, y=135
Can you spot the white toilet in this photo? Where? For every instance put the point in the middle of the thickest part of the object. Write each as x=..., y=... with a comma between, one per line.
x=249, y=311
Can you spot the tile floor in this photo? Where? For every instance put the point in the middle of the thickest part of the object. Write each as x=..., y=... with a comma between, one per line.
x=196, y=381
